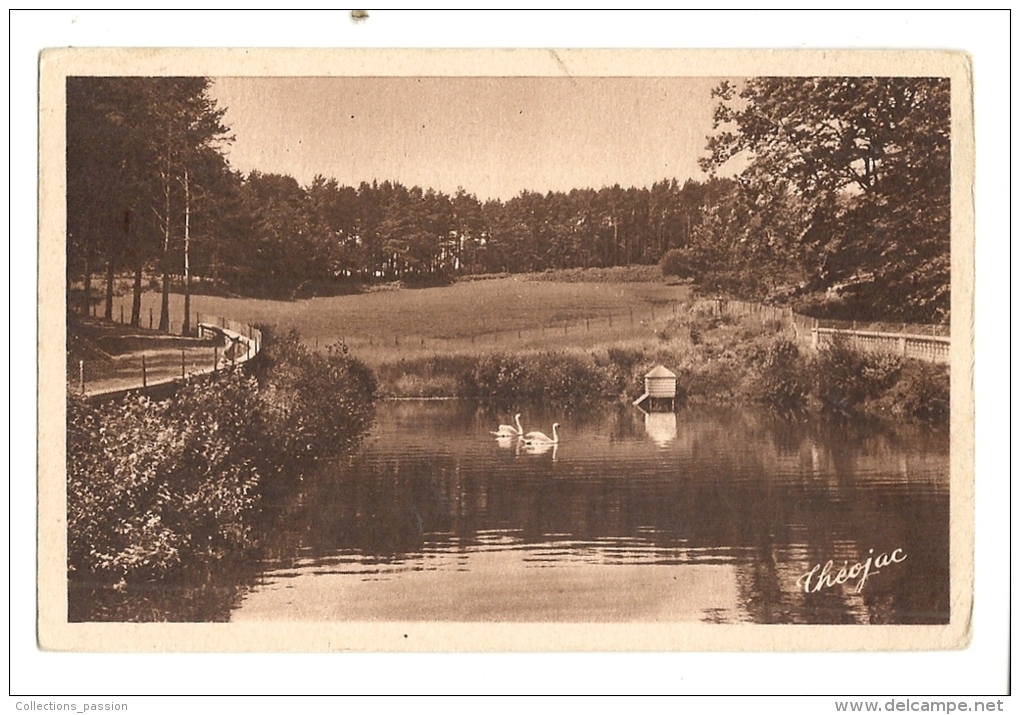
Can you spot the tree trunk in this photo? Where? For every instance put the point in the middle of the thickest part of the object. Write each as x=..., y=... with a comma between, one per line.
x=616, y=245
x=186, y=324
x=164, y=308
x=108, y=310
x=87, y=285
x=136, y=295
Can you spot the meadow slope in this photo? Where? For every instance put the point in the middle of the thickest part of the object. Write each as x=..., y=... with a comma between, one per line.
x=508, y=313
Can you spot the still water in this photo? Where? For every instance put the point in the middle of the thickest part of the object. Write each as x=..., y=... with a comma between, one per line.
x=710, y=514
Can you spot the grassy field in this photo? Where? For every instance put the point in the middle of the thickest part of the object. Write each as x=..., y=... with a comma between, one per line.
x=503, y=314
x=586, y=335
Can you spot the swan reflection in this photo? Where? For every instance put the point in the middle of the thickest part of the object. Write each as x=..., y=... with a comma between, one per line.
x=507, y=442
x=540, y=448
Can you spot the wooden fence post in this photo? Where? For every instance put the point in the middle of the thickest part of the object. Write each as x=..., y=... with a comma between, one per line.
x=182, y=363
x=145, y=382
x=81, y=375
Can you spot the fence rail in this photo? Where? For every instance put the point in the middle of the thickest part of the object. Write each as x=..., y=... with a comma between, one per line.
x=933, y=348
x=921, y=342
x=227, y=343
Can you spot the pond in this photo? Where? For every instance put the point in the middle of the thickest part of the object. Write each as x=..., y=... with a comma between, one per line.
x=711, y=514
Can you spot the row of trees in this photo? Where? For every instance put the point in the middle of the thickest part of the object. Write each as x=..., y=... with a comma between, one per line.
x=845, y=187
x=150, y=191
x=283, y=236
x=144, y=156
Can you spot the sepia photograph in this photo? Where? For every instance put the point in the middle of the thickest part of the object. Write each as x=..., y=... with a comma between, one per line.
x=496, y=351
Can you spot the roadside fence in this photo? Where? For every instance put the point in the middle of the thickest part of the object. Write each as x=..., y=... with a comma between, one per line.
x=219, y=343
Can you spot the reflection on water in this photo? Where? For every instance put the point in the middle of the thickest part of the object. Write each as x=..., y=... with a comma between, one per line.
x=709, y=514
x=661, y=427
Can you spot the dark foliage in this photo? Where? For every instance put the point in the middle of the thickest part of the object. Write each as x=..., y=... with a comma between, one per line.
x=506, y=380
x=159, y=488
x=780, y=376
x=677, y=262
x=844, y=379
x=923, y=392
x=848, y=181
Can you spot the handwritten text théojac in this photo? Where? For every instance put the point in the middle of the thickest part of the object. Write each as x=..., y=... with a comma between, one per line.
x=825, y=576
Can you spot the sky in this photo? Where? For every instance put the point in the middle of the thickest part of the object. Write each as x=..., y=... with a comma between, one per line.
x=493, y=136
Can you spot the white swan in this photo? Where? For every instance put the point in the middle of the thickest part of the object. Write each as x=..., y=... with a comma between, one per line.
x=540, y=438
x=510, y=430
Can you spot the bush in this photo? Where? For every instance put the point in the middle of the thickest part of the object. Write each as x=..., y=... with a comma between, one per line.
x=923, y=392
x=844, y=379
x=694, y=333
x=676, y=262
x=780, y=379
x=154, y=488
x=315, y=405
x=568, y=379
x=619, y=367
x=430, y=376
x=711, y=378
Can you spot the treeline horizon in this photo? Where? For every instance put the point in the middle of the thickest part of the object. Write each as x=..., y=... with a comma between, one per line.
x=386, y=231
x=849, y=214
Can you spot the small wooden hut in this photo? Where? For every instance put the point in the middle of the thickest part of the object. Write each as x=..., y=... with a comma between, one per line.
x=660, y=389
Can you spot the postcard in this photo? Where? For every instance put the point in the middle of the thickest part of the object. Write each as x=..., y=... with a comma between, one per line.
x=502, y=350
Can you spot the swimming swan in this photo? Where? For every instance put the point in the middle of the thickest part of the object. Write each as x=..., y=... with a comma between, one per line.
x=510, y=430
x=540, y=438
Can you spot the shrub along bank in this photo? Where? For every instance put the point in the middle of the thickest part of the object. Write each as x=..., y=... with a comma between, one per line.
x=157, y=488
x=716, y=358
